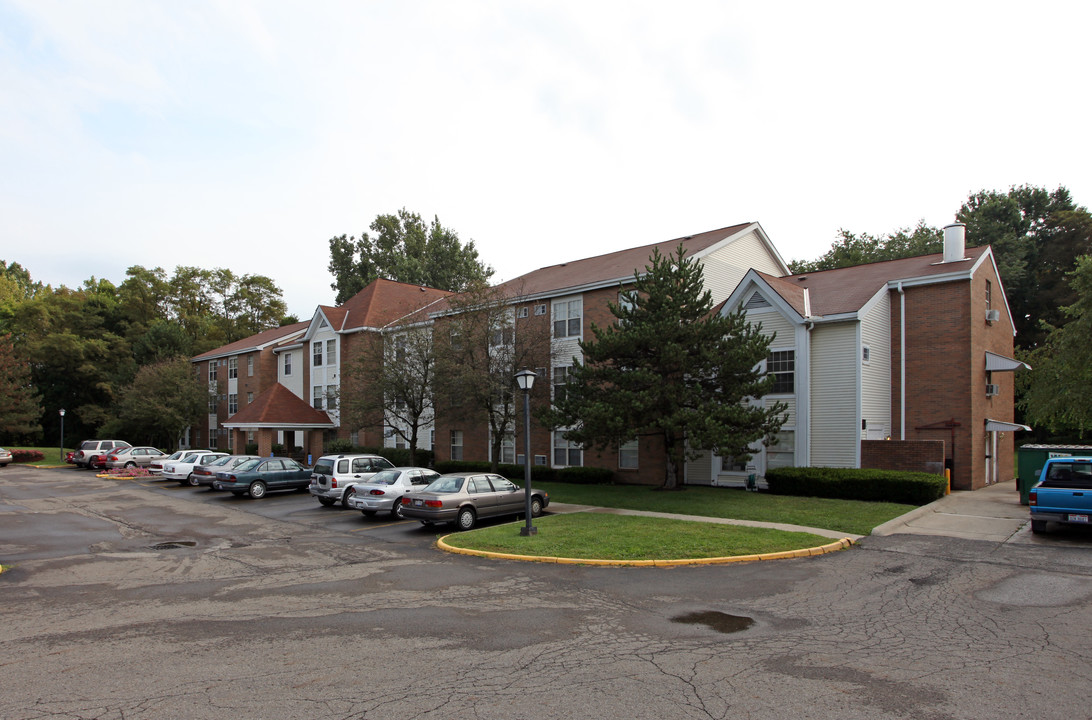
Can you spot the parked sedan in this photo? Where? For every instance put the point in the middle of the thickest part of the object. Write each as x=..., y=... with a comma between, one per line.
x=182, y=468
x=141, y=456
x=256, y=477
x=156, y=468
x=206, y=474
x=464, y=497
x=5, y=457
x=383, y=491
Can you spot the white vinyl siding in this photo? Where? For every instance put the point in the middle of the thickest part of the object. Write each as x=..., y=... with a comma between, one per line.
x=876, y=374
x=835, y=428
x=774, y=322
x=725, y=268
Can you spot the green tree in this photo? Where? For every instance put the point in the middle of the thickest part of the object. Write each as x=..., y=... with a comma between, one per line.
x=1036, y=235
x=850, y=249
x=160, y=404
x=407, y=250
x=1062, y=365
x=390, y=383
x=670, y=367
x=20, y=405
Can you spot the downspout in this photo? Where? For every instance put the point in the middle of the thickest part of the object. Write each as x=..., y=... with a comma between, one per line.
x=902, y=362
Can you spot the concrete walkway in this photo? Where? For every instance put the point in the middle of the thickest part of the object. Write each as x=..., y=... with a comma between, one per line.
x=992, y=513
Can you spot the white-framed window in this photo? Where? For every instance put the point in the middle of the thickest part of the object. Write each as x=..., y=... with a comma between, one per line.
x=232, y=367
x=318, y=393
x=331, y=352
x=566, y=452
x=288, y=363
x=354, y=437
x=212, y=404
x=316, y=354
x=560, y=381
x=231, y=442
x=866, y=354
x=540, y=309
x=625, y=302
x=508, y=448
x=522, y=312
x=250, y=366
x=212, y=371
x=250, y=436
x=456, y=444
x=783, y=453
x=567, y=318
x=782, y=365
x=331, y=397
x=249, y=398
x=232, y=404
x=432, y=439
x=627, y=455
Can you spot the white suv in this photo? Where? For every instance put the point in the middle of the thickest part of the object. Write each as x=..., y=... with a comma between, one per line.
x=333, y=477
x=95, y=447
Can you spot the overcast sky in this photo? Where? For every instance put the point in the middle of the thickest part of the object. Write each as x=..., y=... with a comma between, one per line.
x=245, y=134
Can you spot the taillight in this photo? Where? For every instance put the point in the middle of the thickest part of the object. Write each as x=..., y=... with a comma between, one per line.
x=378, y=492
x=405, y=501
x=333, y=482
x=113, y=458
x=1033, y=498
x=434, y=503
x=231, y=478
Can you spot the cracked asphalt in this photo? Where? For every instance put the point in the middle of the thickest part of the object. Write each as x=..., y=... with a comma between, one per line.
x=283, y=609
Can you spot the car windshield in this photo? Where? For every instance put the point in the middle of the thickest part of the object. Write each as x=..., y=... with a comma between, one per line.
x=384, y=477
x=190, y=458
x=445, y=485
x=248, y=465
x=176, y=455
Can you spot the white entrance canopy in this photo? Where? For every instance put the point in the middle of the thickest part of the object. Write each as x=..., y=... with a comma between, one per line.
x=1000, y=363
x=1001, y=426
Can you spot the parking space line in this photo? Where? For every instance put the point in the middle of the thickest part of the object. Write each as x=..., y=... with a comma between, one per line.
x=372, y=527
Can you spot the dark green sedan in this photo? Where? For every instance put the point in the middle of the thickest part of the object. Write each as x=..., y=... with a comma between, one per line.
x=257, y=477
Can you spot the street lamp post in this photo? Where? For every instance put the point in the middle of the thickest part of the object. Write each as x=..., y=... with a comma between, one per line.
x=62, y=434
x=526, y=380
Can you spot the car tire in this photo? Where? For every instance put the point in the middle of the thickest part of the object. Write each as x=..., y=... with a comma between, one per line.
x=536, y=507
x=130, y=464
x=465, y=519
x=345, y=498
x=326, y=502
x=191, y=480
x=1038, y=526
x=257, y=489
x=368, y=513
x=396, y=510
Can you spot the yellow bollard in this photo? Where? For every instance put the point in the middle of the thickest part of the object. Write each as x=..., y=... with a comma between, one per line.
x=948, y=477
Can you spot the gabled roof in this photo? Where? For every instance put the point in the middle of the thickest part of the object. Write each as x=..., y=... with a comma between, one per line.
x=378, y=304
x=846, y=290
x=254, y=342
x=279, y=407
x=619, y=266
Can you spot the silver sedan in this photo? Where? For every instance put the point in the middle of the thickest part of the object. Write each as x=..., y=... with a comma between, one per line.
x=383, y=491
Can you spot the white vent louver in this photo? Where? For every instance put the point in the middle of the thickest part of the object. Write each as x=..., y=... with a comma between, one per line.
x=992, y=390
x=993, y=316
x=756, y=301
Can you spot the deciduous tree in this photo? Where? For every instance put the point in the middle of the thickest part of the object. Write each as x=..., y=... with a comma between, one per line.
x=160, y=404
x=20, y=405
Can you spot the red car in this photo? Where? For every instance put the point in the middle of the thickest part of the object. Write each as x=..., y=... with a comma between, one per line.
x=70, y=457
x=97, y=462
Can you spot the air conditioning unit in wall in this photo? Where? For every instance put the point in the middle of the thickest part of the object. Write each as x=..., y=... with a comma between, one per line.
x=992, y=390
x=993, y=316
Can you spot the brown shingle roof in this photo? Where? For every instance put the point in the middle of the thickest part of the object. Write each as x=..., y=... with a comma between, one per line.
x=380, y=303
x=254, y=342
x=846, y=290
x=278, y=406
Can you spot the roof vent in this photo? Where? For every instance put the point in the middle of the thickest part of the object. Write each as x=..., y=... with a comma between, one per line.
x=955, y=236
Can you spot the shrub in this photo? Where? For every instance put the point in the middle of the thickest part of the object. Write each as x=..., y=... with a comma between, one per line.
x=857, y=484
x=24, y=456
x=250, y=449
x=277, y=449
x=338, y=447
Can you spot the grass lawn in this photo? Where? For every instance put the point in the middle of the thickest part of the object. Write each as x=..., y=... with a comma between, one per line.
x=52, y=455
x=849, y=516
x=628, y=537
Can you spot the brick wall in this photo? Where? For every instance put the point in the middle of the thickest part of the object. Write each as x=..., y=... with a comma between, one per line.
x=906, y=455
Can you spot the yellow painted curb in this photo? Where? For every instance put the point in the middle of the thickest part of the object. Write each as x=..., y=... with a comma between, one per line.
x=803, y=552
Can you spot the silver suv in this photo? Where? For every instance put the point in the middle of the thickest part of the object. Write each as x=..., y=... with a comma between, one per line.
x=95, y=447
x=333, y=476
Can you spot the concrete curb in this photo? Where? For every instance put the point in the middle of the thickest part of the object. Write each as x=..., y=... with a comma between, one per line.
x=842, y=544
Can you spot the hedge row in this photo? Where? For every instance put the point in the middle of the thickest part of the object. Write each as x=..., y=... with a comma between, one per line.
x=912, y=488
x=539, y=473
x=23, y=456
x=399, y=456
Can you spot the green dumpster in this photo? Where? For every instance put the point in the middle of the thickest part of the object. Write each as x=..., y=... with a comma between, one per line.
x=1031, y=458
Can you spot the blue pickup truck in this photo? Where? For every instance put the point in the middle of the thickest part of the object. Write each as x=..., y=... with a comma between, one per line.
x=1063, y=493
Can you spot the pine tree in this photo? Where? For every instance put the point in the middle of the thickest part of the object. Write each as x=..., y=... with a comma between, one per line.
x=20, y=405
x=672, y=367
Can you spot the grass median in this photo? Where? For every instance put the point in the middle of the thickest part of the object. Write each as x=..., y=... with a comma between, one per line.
x=848, y=516
x=594, y=536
